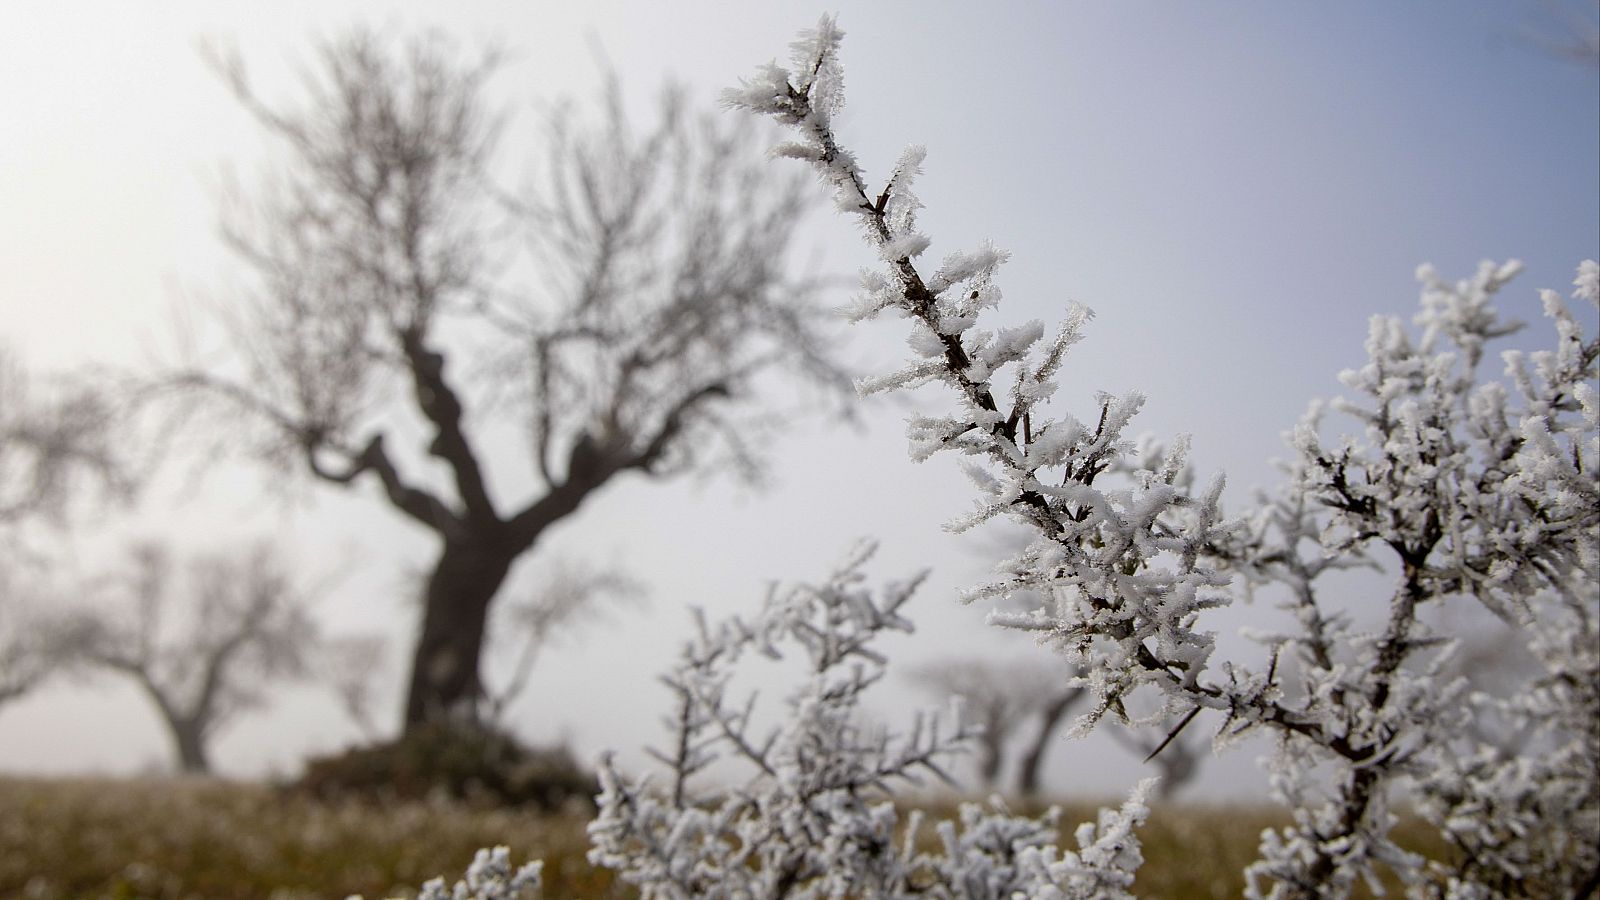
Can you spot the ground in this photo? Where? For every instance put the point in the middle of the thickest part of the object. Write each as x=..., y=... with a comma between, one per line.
x=187, y=838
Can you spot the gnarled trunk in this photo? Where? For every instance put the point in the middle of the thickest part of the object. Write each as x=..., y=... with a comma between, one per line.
x=187, y=726
x=189, y=738
x=445, y=680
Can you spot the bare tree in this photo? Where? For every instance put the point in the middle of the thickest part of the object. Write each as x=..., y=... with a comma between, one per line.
x=29, y=641
x=989, y=701
x=1056, y=702
x=203, y=643
x=572, y=595
x=1021, y=705
x=626, y=334
x=55, y=445
x=352, y=667
x=54, y=442
x=1003, y=699
x=1178, y=756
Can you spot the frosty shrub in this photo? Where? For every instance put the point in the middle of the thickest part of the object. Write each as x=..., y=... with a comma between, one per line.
x=1464, y=491
x=815, y=817
x=490, y=877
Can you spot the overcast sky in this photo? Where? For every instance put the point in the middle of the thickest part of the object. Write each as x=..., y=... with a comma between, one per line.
x=1234, y=188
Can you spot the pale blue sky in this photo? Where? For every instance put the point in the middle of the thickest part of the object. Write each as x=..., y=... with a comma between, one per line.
x=1233, y=187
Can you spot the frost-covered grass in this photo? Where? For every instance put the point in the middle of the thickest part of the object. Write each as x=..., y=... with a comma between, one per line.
x=185, y=838
x=217, y=839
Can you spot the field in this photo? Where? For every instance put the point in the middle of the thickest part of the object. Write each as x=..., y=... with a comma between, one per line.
x=162, y=838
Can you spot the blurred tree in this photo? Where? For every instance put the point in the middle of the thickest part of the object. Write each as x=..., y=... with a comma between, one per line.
x=1178, y=756
x=1054, y=704
x=352, y=667
x=627, y=333
x=55, y=443
x=1003, y=699
x=27, y=641
x=571, y=595
x=203, y=644
x=1022, y=704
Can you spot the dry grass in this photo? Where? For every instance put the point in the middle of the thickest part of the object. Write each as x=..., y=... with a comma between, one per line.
x=101, y=838
x=204, y=838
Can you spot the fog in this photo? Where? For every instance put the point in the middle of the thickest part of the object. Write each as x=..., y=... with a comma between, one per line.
x=1234, y=190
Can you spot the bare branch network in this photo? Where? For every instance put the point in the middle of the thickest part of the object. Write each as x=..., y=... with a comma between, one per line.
x=624, y=310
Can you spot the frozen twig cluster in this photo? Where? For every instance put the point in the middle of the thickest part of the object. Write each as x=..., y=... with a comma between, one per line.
x=816, y=816
x=489, y=877
x=1462, y=490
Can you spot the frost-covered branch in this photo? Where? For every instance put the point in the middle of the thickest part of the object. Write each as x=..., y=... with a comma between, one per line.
x=1122, y=564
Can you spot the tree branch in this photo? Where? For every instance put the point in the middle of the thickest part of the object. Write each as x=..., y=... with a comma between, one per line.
x=672, y=425
x=440, y=403
x=415, y=502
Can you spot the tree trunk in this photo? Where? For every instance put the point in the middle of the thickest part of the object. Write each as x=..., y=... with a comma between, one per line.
x=1029, y=773
x=990, y=746
x=189, y=737
x=188, y=728
x=445, y=682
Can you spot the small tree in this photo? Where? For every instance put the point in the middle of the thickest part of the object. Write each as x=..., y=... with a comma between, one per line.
x=30, y=641
x=1019, y=707
x=390, y=287
x=203, y=642
x=815, y=816
x=352, y=668
x=571, y=595
x=1177, y=757
x=1006, y=701
x=54, y=444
